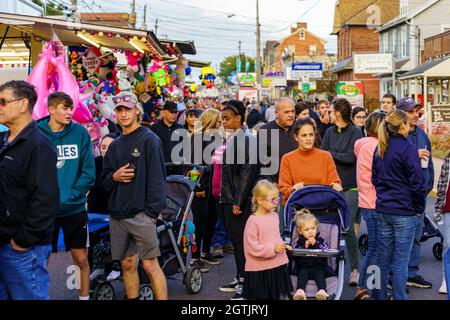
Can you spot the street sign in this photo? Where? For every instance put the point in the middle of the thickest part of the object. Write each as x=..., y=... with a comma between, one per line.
x=305, y=87
x=353, y=91
x=307, y=69
x=364, y=63
x=247, y=79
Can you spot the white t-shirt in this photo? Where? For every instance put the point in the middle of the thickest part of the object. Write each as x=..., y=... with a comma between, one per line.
x=270, y=114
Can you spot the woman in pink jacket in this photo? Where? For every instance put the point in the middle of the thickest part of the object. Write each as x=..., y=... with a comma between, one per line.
x=364, y=150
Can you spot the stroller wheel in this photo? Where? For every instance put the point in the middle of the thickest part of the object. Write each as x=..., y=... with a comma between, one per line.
x=103, y=291
x=145, y=292
x=363, y=244
x=437, y=250
x=193, y=280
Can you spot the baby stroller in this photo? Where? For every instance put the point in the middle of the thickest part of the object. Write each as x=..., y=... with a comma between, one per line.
x=331, y=210
x=170, y=229
x=430, y=230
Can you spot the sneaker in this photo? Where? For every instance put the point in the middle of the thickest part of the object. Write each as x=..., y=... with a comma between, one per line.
x=113, y=275
x=239, y=295
x=96, y=273
x=217, y=253
x=209, y=259
x=443, y=288
x=354, y=278
x=299, y=295
x=418, y=282
x=228, y=248
x=200, y=265
x=322, y=295
x=230, y=287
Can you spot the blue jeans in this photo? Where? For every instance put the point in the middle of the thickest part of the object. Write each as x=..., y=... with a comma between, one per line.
x=446, y=259
x=446, y=235
x=371, y=218
x=24, y=275
x=395, y=240
x=220, y=235
x=414, y=260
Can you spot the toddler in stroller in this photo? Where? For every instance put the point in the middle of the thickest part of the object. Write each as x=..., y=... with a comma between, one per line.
x=332, y=212
x=310, y=268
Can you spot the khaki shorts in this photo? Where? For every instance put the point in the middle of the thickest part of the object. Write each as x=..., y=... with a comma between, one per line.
x=133, y=236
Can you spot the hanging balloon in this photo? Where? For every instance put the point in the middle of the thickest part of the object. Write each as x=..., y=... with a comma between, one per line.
x=188, y=71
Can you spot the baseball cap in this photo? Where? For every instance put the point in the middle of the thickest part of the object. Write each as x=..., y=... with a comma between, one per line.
x=407, y=104
x=170, y=106
x=125, y=99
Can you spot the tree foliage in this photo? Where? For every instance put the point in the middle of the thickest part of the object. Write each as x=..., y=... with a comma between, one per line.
x=228, y=65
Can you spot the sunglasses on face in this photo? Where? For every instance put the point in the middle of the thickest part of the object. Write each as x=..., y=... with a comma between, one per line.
x=122, y=99
x=4, y=102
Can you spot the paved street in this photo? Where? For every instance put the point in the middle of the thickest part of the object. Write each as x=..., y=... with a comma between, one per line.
x=431, y=270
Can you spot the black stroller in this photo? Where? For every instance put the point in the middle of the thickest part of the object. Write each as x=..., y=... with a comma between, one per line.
x=170, y=227
x=331, y=209
x=430, y=230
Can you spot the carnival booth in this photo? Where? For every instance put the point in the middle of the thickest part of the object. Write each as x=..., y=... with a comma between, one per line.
x=93, y=63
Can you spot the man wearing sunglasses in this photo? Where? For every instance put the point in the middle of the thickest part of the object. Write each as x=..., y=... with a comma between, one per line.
x=76, y=176
x=29, y=197
x=134, y=175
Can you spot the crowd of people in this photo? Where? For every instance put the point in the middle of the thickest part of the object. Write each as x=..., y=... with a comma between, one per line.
x=49, y=180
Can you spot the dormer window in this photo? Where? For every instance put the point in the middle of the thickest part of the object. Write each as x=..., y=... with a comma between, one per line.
x=302, y=35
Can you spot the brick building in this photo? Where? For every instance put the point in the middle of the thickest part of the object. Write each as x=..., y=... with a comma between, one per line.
x=355, y=26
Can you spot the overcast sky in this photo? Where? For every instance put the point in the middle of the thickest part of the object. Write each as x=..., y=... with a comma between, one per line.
x=216, y=26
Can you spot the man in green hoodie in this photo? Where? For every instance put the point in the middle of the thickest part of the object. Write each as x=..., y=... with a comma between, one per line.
x=76, y=175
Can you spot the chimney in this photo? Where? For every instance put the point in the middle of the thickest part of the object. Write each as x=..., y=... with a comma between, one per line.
x=302, y=25
x=293, y=29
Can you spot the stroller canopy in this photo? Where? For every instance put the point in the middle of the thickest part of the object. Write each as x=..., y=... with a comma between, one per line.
x=319, y=199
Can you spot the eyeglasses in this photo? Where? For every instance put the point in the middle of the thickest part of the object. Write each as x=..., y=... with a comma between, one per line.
x=125, y=98
x=4, y=102
x=272, y=201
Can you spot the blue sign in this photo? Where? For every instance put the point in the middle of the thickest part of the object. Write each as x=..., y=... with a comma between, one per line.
x=307, y=69
x=307, y=66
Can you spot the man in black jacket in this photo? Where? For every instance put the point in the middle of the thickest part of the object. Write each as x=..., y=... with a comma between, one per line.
x=134, y=175
x=29, y=197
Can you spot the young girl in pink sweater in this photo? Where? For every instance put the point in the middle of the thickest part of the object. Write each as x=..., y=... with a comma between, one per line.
x=266, y=264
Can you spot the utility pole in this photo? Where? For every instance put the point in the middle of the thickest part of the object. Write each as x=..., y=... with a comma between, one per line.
x=144, y=24
x=240, y=52
x=258, y=49
x=156, y=26
x=132, y=22
x=74, y=8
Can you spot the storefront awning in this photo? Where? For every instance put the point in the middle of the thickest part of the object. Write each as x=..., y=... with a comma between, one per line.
x=181, y=47
x=345, y=64
x=439, y=68
x=77, y=33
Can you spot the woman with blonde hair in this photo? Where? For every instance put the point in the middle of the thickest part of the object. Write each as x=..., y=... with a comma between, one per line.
x=364, y=150
x=399, y=185
x=204, y=207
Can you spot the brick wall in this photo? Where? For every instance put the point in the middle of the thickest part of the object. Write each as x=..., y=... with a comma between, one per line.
x=301, y=47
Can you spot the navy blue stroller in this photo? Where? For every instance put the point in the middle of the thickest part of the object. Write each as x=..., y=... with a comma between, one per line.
x=332, y=211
